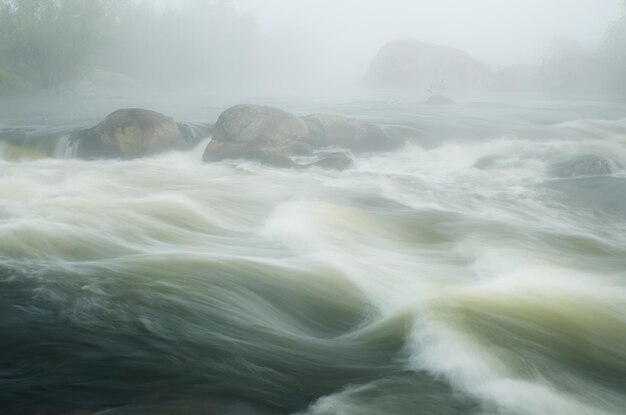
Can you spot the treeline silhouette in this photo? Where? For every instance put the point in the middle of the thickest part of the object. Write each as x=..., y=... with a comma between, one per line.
x=47, y=43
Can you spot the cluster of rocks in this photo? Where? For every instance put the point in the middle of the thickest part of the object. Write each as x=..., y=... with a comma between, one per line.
x=264, y=134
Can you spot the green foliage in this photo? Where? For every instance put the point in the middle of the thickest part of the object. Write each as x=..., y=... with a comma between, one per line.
x=613, y=52
x=198, y=42
x=48, y=42
x=44, y=41
x=11, y=83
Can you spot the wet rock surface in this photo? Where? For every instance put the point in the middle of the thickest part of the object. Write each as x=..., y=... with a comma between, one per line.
x=339, y=131
x=273, y=137
x=265, y=134
x=129, y=133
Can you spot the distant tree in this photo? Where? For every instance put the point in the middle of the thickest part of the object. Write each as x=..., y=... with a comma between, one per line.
x=613, y=51
x=48, y=42
x=45, y=41
x=11, y=83
x=200, y=41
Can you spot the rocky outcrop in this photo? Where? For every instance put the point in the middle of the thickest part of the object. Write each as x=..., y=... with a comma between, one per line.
x=417, y=66
x=273, y=136
x=338, y=131
x=265, y=134
x=128, y=134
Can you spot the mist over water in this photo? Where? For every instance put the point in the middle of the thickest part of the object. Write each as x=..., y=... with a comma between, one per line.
x=476, y=266
x=341, y=38
x=323, y=47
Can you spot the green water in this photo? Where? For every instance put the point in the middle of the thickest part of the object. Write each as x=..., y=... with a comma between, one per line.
x=480, y=269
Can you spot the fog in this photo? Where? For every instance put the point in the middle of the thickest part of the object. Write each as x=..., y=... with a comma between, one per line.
x=330, y=47
x=312, y=207
x=499, y=32
x=329, y=44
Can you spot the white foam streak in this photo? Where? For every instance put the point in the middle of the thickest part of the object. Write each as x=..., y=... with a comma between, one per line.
x=443, y=234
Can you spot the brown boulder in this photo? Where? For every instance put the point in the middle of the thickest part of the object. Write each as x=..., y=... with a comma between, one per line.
x=338, y=131
x=129, y=133
x=265, y=134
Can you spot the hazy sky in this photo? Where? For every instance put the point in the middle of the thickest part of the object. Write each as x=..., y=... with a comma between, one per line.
x=500, y=32
x=337, y=39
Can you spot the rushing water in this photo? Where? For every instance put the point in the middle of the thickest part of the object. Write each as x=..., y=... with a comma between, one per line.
x=480, y=269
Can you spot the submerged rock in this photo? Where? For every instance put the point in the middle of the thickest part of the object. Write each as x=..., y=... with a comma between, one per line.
x=338, y=131
x=129, y=133
x=265, y=134
x=582, y=165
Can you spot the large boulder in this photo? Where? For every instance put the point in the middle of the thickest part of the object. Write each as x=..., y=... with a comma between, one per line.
x=275, y=137
x=338, y=131
x=265, y=134
x=129, y=133
x=418, y=66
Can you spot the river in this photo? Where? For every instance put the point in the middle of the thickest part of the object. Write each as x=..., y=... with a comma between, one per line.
x=479, y=269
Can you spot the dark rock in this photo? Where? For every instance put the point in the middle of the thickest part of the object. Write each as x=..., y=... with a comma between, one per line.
x=356, y=135
x=128, y=134
x=265, y=134
x=582, y=165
